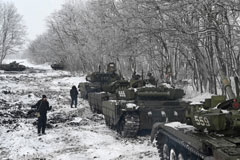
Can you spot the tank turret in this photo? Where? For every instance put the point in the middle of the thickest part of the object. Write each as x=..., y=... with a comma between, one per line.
x=225, y=122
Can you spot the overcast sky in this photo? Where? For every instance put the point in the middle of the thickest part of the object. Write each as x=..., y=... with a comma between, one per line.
x=35, y=12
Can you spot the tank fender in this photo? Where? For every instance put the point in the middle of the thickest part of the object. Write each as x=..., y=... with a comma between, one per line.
x=155, y=128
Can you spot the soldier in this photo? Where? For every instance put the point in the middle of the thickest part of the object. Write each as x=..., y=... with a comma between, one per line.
x=135, y=76
x=151, y=79
x=74, y=95
x=42, y=107
x=168, y=74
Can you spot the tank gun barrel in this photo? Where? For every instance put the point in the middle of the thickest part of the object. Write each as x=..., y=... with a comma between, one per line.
x=227, y=85
x=237, y=85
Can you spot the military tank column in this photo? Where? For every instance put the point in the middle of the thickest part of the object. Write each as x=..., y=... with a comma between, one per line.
x=131, y=106
x=211, y=132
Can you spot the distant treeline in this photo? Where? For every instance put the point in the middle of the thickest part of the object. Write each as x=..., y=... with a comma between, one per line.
x=173, y=39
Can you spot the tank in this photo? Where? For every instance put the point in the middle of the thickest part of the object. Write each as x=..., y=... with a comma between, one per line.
x=13, y=66
x=96, y=81
x=211, y=132
x=58, y=65
x=136, y=109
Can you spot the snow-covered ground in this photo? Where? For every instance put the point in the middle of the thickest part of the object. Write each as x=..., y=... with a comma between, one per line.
x=71, y=134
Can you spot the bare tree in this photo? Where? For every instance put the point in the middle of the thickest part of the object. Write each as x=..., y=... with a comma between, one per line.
x=12, y=31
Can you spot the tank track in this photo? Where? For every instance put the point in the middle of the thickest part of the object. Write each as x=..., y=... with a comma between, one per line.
x=129, y=125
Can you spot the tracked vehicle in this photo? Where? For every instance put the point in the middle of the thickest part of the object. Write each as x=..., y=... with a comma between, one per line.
x=97, y=81
x=212, y=130
x=13, y=66
x=58, y=66
x=100, y=85
x=136, y=110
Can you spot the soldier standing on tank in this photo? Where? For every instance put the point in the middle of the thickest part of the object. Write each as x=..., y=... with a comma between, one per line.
x=74, y=95
x=151, y=79
x=135, y=76
x=42, y=107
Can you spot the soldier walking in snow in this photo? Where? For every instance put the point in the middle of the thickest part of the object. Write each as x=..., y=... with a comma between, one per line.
x=42, y=108
x=74, y=95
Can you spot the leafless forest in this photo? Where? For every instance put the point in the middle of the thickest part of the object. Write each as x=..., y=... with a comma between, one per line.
x=175, y=39
x=12, y=30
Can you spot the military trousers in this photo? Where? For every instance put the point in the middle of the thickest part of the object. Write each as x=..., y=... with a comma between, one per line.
x=42, y=121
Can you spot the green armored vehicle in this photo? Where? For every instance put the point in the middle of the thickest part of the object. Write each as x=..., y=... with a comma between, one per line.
x=96, y=81
x=99, y=86
x=137, y=109
x=13, y=66
x=212, y=131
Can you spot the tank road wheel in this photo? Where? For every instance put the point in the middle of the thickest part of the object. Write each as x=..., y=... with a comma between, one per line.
x=172, y=155
x=123, y=132
x=106, y=121
x=123, y=128
x=163, y=147
x=180, y=156
x=165, y=152
x=129, y=125
x=91, y=107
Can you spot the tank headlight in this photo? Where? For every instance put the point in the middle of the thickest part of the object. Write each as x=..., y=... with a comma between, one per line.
x=175, y=113
x=150, y=113
x=163, y=114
